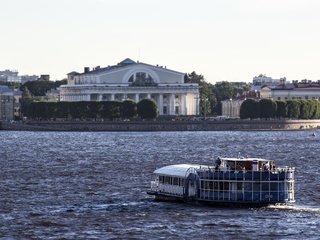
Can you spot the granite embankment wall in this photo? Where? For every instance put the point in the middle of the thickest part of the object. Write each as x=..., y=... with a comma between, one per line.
x=226, y=125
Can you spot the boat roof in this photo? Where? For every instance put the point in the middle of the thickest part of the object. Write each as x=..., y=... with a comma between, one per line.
x=245, y=159
x=178, y=170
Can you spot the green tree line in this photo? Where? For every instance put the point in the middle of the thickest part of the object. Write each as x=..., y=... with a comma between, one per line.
x=266, y=108
x=145, y=109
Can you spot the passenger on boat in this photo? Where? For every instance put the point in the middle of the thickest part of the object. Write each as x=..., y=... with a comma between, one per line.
x=265, y=166
x=218, y=163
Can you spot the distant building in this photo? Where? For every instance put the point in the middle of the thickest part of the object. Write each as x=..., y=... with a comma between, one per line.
x=231, y=107
x=9, y=76
x=136, y=81
x=7, y=103
x=12, y=76
x=53, y=95
x=29, y=78
x=17, y=94
x=262, y=80
x=44, y=77
x=305, y=89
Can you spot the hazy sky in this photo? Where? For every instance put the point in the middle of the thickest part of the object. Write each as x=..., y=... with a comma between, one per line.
x=231, y=40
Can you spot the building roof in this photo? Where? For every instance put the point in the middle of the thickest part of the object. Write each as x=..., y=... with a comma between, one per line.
x=291, y=86
x=125, y=63
x=4, y=88
x=73, y=73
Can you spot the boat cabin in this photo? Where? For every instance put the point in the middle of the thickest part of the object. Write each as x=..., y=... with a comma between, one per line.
x=244, y=164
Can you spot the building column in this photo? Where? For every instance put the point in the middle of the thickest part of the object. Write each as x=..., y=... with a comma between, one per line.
x=172, y=105
x=100, y=97
x=112, y=97
x=149, y=96
x=124, y=97
x=160, y=104
x=137, y=97
x=184, y=105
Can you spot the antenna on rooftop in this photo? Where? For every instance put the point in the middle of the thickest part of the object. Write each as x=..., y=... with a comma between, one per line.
x=139, y=54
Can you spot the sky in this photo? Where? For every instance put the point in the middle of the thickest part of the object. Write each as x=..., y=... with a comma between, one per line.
x=224, y=40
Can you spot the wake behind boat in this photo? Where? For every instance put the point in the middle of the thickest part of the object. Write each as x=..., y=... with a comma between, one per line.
x=242, y=181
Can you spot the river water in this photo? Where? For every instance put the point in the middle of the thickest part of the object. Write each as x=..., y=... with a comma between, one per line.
x=84, y=185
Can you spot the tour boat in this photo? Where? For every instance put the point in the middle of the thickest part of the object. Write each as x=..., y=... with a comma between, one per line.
x=240, y=181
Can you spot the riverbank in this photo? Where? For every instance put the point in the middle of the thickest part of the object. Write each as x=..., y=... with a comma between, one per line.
x=222, y=125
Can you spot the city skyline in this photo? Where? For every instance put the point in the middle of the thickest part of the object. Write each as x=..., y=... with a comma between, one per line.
x=223, y=40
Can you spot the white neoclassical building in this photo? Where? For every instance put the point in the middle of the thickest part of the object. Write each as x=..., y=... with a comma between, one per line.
x=293, y=91
x=136, y=81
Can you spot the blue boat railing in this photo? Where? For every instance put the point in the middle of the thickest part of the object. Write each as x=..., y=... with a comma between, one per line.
x=253, y=186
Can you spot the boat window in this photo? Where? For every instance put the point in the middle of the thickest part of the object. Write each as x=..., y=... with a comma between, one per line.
x=210, y=185
x=256, y=187
x=248, y=186
x=160, y=179
x=175, y=181
x=273, y=186
x=181, y=182
x=166, y=180
x=265, y=187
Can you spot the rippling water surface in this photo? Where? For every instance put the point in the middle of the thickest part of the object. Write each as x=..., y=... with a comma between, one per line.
x=75, y=185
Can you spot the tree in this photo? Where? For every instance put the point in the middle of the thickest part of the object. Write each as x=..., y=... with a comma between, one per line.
x=293, y=109
x=63, y=110
x=93, y=109
x=110, y=110
x=128, y=109
x=147, y=109
x=249, y=109
x=316, y=113
x=268, y=108
x=40, y=87
x=282, y=109
x=26, y=100
x=224, y=90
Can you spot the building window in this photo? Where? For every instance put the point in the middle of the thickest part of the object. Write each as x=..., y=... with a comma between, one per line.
x=164, y=109
x=177, y=110
x=306, y=97
x=279, y=98
x=141, y=79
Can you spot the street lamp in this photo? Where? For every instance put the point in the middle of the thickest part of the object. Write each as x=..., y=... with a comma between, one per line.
x=196, y=98
x=205, y=108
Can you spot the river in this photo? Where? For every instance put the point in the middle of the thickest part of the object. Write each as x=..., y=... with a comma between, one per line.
x=92, y=185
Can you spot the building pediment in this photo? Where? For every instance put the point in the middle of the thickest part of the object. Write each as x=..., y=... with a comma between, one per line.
x=132, y=73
